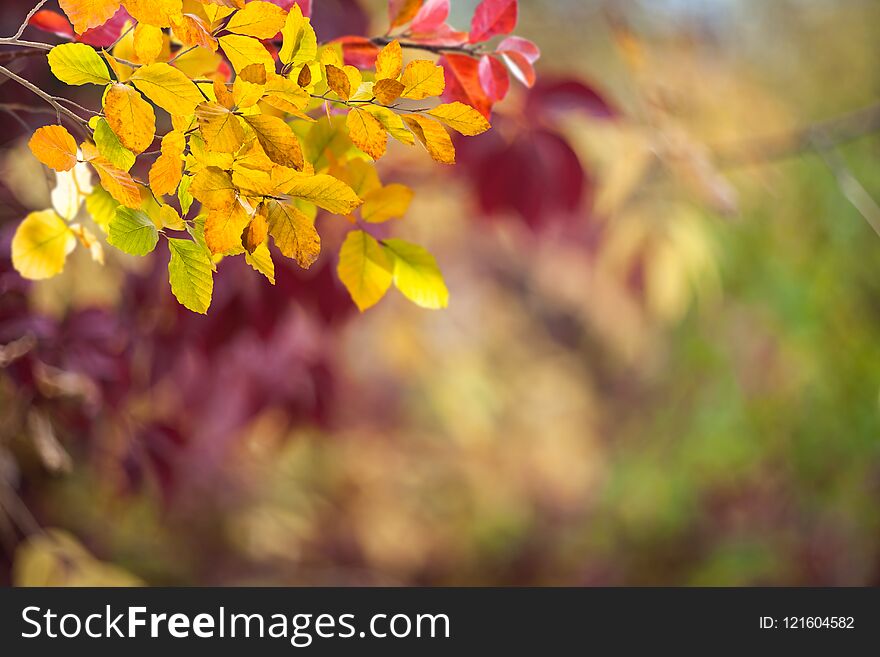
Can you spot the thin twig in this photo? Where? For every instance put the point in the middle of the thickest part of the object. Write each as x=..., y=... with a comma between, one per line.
x=436, y=49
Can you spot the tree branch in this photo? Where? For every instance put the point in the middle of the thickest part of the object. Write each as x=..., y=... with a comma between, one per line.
x=473, y=51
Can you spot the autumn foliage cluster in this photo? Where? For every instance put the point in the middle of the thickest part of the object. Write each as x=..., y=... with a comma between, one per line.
x=225, y=127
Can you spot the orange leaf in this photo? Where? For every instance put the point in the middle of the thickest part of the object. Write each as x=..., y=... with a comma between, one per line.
x=55, y=147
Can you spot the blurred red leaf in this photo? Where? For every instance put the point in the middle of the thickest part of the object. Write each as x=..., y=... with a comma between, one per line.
x=552, y=97
x=521, y=68
x=493, y=78
x=52, y=22
x=401, y=12
x=523, y=46
x=359, y=51
x=444, y=35
x=431, y=16
x=493, y=17
x=463, y=83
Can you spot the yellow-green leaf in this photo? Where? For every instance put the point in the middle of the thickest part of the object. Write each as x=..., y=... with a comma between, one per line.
x=77, y=63
x=300, y=42
x=416, y=275
x=110, y=147
x=392, y=122
x=168, y=88
x=324, y=191
x=190, y=272
x=133, y=232
x=41, y=244
x=364, y=269
x=261, y=260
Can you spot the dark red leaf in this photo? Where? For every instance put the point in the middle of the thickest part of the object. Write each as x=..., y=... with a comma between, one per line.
x=555, y=96
x=493, y=17
x=463, y=83
x=493, y=78
x=51, y=22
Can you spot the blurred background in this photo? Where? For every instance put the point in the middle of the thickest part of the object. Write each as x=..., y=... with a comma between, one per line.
x=660, y=364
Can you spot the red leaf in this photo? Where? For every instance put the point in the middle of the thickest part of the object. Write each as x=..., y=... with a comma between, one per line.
x=304, y=5
x=432, y=15
x=523, y=46
x=493, y=78
x=401, y=12
x=463, y=83
x=521, y=67
x=358, y=51
x=51, y=22
x=106, y=34
x=444, y=35
x=493, y=17
x=552, y=97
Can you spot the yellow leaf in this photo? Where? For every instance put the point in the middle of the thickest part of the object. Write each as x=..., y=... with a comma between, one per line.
x=404, y=11
x=364, y=269
x=338, y=82
x=277, y=140
x=192, y=31
x=154, y=12
x=168, y=88
x=224, y=228
x=198, y=63
x=361, y=176
x=261, y=261
x=86, y=14
x=387, y=91
x=434, y=137
x=262, y=20
x=171, y=218
x=391, y=202
x=286, y=95
x=389, y=63
x=257, y=231
x=324, y=191
x=130, y=117
x=243, y=51
x=167, y=170
x=77, y=63
x=41, y=244
x=249, y=86
x=300, y=42
x=55, y=147
x=214, y=188
x=118, y=183
x=422, y=79
x=148, y=42
x=294, y=233
x=220, y=128
x=462, y=118
x=392, y=122
x=367, y=133
x=416, y=275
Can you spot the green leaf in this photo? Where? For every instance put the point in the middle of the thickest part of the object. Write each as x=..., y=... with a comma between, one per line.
x=417, y=275
x=77, y=63
x=190, y=274
x=364, y=269
x=184, y=196
x=102, y=207
x=133, y=232
x=261, y=261
x=110, y=147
